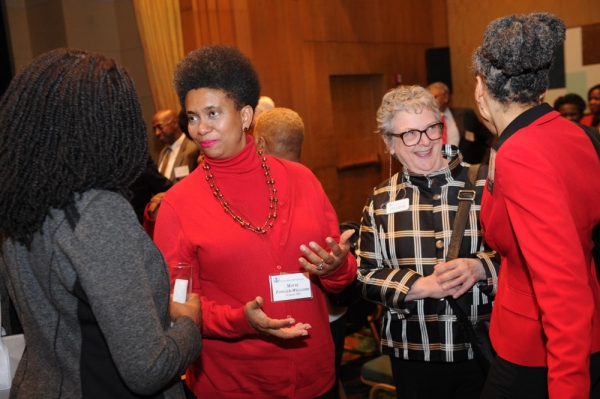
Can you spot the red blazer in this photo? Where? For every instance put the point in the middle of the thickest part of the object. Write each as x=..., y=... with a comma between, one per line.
x=539, y=208
x=587, y=120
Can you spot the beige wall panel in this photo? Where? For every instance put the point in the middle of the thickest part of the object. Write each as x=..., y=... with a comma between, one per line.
x=40, y=19
x=19, y=35
x=467, y=20
x=128, y=36
x=109, y=27
x=190, y=29
x=407, y=21
x=242, y=21
x=92, y=26
x=207, y=22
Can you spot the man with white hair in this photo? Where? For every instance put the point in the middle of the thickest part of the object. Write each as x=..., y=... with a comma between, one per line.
x=280, y=132
x=462, y=128
x=264, y=103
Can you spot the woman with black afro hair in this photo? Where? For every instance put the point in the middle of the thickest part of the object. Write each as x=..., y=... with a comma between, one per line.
x=539, y=208
x=90, y=288
x=263, y=241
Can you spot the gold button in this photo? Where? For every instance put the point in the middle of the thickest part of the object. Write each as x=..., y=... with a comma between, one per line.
x=439, y=243
x=436, y=196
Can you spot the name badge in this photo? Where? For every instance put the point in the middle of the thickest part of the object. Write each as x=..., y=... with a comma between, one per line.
x=182, y=171
x=288, y=287
x=397, y=206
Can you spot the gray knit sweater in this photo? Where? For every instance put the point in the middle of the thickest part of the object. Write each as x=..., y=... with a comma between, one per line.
x=93, y=303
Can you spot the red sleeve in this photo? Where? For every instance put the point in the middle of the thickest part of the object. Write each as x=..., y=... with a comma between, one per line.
x=148, y=222
x=218, y=321
x=538, y=209
x=587, y=120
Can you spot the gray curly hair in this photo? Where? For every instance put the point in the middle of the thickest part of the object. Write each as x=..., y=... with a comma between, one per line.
x=516, y=55
x=413, y=99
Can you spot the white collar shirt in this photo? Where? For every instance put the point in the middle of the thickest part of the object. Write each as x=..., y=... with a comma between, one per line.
x=175, y=147
x=452, y=134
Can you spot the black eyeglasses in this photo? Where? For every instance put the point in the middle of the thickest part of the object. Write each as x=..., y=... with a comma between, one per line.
x=412, y=137
x=161, y=127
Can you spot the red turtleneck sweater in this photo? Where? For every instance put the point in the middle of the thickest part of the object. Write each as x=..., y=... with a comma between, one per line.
x=232, y=266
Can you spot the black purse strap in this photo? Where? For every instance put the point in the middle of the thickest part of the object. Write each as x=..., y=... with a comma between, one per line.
x=466, y=196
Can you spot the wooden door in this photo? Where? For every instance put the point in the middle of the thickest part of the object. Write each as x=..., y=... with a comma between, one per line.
x=362, y=159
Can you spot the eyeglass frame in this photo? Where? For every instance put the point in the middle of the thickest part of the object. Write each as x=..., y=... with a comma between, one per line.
x=421, y=132
x=161, y=127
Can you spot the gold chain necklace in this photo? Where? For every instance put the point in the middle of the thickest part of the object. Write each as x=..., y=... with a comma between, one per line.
x=210, y=178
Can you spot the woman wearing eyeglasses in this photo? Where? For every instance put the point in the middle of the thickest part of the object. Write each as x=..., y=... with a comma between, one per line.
x=404, y=236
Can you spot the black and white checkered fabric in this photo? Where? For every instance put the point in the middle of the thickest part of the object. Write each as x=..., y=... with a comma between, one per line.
x=396, y=249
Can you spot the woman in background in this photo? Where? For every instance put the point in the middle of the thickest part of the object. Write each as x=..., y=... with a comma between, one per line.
x=262, y=239
x=593, y=118
x=571, y=106
x=90, y=288
x=404, y=238
x=539, y=208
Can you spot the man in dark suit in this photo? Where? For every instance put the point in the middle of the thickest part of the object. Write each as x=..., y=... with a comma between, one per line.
x=462, y=127
x=180, y=155
x=147, y=185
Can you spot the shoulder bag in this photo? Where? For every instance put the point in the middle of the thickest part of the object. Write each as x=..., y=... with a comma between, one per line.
x=476, y=334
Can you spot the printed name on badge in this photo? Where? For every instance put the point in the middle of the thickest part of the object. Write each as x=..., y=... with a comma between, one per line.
x=397, y=206
x=289, y=287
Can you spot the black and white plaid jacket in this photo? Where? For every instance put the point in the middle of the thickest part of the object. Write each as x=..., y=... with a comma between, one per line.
x=396, y=249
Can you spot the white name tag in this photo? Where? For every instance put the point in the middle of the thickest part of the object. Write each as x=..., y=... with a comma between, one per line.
x=287, y=287
x=397, y=206
x=182, y=171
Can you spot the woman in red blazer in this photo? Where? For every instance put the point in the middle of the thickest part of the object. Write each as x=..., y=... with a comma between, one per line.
x=539, y=208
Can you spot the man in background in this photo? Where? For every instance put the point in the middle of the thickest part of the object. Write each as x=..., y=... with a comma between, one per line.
x=280, y=132
x=462, y=128
x=264, y=103
x=180, y=155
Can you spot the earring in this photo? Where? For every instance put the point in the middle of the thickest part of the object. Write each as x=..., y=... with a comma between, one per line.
x=245, y=129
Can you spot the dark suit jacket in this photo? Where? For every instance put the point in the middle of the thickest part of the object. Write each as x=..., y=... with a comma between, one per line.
x=187, y=155
x=472, y=151
x=147, y=185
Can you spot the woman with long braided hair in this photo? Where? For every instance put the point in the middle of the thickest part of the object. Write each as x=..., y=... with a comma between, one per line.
x=90, y=288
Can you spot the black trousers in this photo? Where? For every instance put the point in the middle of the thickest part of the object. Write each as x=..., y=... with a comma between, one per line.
x=507, y=380
x=420, y=380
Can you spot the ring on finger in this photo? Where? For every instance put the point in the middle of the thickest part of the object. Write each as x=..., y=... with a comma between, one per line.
x=320, y=266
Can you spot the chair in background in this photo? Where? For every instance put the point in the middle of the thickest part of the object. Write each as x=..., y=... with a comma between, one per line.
x=378, y=374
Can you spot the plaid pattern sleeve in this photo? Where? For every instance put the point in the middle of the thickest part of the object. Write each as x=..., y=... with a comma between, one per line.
x=395, y=249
